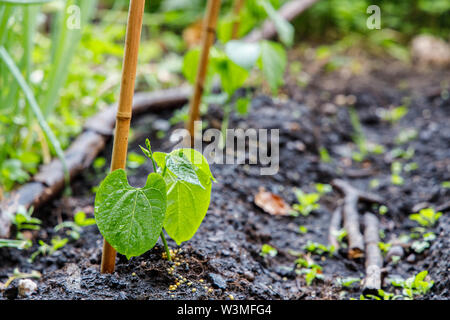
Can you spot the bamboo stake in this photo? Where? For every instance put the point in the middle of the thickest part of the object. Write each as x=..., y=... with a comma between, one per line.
x=208, y=37
x=123, y=118
x=237, y=22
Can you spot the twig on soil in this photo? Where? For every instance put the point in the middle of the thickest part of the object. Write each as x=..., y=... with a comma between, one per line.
x=351, y=216
x=289, y=11
x=335, y=226
x=374, y=260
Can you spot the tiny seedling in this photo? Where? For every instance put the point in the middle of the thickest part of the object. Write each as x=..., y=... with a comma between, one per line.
x=406, y=136
x=340, y=236
x=267, y=250
x=396, y=170
x=310, y=269
x=415, y=285
x=175, y=198
x=427, y=217
x=302, y=229
x=24, y=221
x=16, y=244
x=347, y=282
x=318, y=248
x=394, y=115
x=382, y=295
x=74, y=228
x=46, y=249
x=22, y=275
x=384, y=247
x=445, y=184
x=307, y=202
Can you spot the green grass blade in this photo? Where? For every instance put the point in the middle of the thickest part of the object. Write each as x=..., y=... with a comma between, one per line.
x=4, y=55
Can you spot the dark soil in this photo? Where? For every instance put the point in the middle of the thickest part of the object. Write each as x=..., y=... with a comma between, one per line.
x=223, y=259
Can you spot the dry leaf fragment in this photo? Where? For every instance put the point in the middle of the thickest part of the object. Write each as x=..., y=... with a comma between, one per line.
x=271, y=203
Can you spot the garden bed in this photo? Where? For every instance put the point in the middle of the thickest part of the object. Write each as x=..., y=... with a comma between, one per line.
x=223, y=260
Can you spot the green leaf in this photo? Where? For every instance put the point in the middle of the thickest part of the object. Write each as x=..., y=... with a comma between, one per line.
x=190, y=64
x=284, y=28
x=244, y=54
x=129, y=218
x=273, y=63
x=180, y=166
x=242, y=105
x=186, y=203
x=232, y=76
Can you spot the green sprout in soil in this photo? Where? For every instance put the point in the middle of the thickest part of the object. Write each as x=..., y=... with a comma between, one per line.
x=396, y=170
x=414, y=286
x=384, y=247
x=427, y=217
x=406, y=135
x=318, y=248
x=175, y=199
x=302, y=229
x=347, y=282
x=382, y=210
x=308, y=268
x=267, y=250
x=16, y=244
x=46, y=249
x=22, y=275
x=24, y=221
x=74, y=228
x=445, y=184
x=382, y=295
x=324, y=155
x=365, y=147
x=394, y=115
x=307, y=202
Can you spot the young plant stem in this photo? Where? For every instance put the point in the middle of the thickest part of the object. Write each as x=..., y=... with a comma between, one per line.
x=123, y=117
x=166, y=247
x=208, y=37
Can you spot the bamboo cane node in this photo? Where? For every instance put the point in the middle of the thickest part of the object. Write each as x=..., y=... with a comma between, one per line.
x=211, y=30
x=123, y=115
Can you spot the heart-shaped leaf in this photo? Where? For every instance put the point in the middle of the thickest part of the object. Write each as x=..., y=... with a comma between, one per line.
x=131, y=219
x=180, y=166
x=187, y=203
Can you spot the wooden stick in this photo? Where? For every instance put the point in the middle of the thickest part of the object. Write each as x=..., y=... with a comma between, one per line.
x=335, y=226
x=208, y=37
x=374, y=260
x=237, y=20
x=351, y=216
x=123, y=117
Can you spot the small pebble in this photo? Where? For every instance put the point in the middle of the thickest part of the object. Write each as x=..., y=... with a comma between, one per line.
x=26, y=287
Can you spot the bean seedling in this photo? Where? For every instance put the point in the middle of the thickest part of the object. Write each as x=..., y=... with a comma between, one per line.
x=175, y=198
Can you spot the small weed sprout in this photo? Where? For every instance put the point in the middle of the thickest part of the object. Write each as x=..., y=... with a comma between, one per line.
x=384, y=247
x=415, y=285
x=426, y=217
x=318, y=248
x=74, y=228
x=347, y=282
x=46, y=249
x=22, y=275
x=267, y=250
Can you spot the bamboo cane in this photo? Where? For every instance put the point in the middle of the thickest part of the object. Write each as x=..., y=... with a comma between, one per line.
x=123, y=118
x=208, y=37
x=236, y=24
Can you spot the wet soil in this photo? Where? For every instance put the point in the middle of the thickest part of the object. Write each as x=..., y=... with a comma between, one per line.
x=223, y=259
